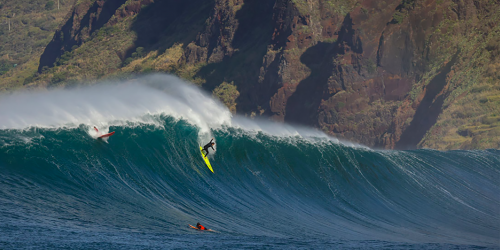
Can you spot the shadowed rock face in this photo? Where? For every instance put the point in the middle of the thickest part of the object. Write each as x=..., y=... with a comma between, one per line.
x=160, y=24
x=78, y=26
x=302, y=106
x=347, y=68
x=428, y=110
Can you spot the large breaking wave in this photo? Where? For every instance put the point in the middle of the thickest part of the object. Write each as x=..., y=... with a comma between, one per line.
x=270, y=180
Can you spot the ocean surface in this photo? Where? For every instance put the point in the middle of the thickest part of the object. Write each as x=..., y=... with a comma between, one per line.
x=275, y=186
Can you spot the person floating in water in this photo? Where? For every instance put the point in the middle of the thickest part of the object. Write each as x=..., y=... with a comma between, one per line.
x=200, y=227
x=209, y=145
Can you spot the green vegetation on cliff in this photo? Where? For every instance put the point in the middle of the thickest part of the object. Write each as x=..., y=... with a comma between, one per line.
x=471, y=118
x=26, y=27
x=471, y=107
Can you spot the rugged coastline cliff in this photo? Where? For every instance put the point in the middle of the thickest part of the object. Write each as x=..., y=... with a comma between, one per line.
x=389, y=74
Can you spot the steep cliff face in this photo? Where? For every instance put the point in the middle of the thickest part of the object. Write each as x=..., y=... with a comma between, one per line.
x=349, y=72
x=379, y=73
x=85, y=19
x=26, y=26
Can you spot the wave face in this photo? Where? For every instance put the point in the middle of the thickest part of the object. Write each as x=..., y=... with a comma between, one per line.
x=60, y=186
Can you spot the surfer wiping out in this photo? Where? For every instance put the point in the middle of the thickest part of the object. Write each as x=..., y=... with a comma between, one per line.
x=209, y=145
x=100, y=135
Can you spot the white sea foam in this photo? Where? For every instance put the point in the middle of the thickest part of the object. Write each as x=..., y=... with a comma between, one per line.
x=133, y=101
x=110, y=103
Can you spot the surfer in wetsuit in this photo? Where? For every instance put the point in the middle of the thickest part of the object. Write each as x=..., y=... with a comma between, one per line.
x=200, y=227
x=97, y=131
x=209, y=145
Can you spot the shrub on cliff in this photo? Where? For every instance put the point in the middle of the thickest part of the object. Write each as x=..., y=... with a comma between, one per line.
x=27, y=26
x=398, y=17
x=49, y=5
x=5, y=66
x=227, y=94
x=139, y=52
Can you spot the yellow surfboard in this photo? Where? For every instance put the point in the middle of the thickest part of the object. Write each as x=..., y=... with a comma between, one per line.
x=206, y=160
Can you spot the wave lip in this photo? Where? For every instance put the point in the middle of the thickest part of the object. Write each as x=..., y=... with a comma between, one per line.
x=112, y=103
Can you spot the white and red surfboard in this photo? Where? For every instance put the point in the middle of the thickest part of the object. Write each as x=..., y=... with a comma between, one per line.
x=107, y=135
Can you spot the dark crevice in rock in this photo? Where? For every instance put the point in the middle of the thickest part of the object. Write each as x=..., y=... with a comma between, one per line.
x=302, y=106
x=270, y=84
x=55, y=48
x=250, y=44
x=428, y=110
x=161, y=24
x=96, y=17
x=108, y=9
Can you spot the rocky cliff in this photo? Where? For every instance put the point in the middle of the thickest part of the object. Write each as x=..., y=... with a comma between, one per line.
x=392, y=74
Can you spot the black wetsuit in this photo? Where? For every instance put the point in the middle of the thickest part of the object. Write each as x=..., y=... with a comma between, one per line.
x=209, y=145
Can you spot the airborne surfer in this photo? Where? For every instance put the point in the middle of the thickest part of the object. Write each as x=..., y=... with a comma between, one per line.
x=209, y=145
